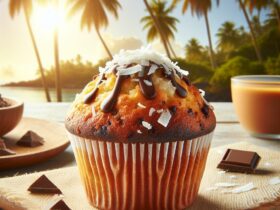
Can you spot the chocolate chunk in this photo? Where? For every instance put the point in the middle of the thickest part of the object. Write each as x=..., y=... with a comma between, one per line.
x=3, y=103
x=173, y=109
x=239, y=161
x=60, y=205
x=44, y=186
x=187, y=81
x=4, y=150
x=205, y=110
x=30, y=139
x=201, y=125
x=190, y=112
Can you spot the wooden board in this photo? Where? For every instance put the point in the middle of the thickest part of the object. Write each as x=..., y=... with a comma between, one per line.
x=55, y=142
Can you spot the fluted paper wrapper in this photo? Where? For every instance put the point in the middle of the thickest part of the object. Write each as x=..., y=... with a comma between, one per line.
x=141, y=175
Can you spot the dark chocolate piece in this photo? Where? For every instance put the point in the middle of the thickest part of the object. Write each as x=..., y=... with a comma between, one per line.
x=205, y=110
x=180, y=90
x=4, y=150
x=239, y=161
x=172, y=109
x=44, y=186
x=30, y=139
x=148, y=91
x=3, y=103
x=109, y=103
x=60, y=205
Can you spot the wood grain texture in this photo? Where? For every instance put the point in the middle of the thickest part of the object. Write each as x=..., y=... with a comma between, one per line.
x=55, y=142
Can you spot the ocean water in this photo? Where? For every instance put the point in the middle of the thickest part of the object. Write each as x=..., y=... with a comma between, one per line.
x=28, y=94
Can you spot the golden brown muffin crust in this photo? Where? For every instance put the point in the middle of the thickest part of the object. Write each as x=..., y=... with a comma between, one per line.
x=191, y=117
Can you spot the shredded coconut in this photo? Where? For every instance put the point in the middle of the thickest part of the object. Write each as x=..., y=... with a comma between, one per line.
x=135, y=80
x=152, y=69
x=145, y=62
x=159, y=110
x=274, y=181
x=151, y=111
x=164, y=118
x=183, y=72
x=202, y=92
x=130, y=70
x=141, y=105
x=141, y=55
x=138, y=131
x=148, y=83
x=244, y=188
x=147, y=125
x=225, y=184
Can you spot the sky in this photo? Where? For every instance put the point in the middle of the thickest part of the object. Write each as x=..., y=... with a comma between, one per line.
x=17, y=58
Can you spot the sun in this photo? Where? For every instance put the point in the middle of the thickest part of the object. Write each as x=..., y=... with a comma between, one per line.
x=47, y=17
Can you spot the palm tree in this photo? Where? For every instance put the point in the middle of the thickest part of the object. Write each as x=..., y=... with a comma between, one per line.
x=256, y=4
x=94, y=13
x=261, y=4
x=167, y=23
x=275, y=7
x=194, y=51
x=252, y=32
x=257, y=25
x=15, y=6
x=228, y=37
x=201, y=8
x=157, y=26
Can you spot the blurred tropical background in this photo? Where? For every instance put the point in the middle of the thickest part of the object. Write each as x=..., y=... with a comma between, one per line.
x=49, y=49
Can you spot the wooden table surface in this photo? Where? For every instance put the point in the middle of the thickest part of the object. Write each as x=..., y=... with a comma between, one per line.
x=228, y=131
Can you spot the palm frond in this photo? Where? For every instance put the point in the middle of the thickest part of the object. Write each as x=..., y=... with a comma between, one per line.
x=76, y=6
x=112, y=6
x=14, y=7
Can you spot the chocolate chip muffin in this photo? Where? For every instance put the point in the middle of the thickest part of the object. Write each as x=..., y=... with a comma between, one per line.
x=141, y=134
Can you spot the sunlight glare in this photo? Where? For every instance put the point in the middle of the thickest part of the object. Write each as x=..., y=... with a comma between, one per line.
x=48, y=17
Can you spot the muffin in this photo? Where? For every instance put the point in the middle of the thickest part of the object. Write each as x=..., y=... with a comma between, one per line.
x=141, y=132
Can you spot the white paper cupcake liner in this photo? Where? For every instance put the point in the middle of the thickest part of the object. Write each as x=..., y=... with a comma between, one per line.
x=141, y=175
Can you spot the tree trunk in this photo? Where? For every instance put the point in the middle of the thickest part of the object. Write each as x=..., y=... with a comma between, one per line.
x=213, y=64
x=57, y=67
x=104, y=43
x=41, y=69
x=157, y=25
x=253, y=36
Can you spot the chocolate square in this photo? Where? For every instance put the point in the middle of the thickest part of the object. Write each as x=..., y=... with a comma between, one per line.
x=30, y=139
x=60, y=205
x=239, y=161
x=44, y=186
x=4, y=150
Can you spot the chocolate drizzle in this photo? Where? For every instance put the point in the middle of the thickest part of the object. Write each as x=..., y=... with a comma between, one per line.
x=110, y=101
x=179, y=89
x=145, y=83
x=91, y=96
x=147, y=90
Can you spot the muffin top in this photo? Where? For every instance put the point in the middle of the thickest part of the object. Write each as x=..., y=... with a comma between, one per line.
x=140, y=96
